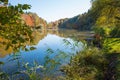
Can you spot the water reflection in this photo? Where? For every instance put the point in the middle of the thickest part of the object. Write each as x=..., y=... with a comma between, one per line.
x=53, y=49
x=40, y=34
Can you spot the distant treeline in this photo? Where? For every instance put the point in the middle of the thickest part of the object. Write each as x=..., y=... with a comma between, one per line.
x=103, y=16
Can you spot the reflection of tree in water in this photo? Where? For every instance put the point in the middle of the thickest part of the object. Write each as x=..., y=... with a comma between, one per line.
x=39, y=34
x=53, y=59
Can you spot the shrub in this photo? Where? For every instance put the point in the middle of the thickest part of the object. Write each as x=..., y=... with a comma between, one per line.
x=89, y=64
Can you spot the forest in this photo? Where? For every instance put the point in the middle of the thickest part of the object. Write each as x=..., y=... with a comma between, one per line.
x=98, y=61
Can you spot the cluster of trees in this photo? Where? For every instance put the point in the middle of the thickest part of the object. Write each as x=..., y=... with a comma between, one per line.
x=37, y=21
x=103, y=14
x=93, y=63
x=90, y=64
x=16, y=25
x=108, y=16
x=12, y=32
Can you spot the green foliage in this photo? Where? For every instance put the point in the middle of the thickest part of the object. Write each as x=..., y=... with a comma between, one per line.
x=93, y=64
x=12, y=14
x=89, y=64
x=108, y=10
x=80, y=22
x=4, y=76
x=32, y=71
x=111, y=45
x=52, y=62
x=103, y=14
x=13, y=32
x=100, y=31
x=5, y=2
x=115, y=32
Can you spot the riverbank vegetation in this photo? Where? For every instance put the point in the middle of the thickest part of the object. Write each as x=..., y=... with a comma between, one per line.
x=98, y=61
x=93, y=64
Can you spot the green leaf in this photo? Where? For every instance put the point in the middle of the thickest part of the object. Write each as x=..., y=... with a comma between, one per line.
x=17, y=73
x=32, y=48
x=14, y=42
x=50, y=50
x=7, y=47
x=26, y=49
x=1, y=62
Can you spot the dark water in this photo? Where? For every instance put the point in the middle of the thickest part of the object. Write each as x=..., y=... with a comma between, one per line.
x=53, y=49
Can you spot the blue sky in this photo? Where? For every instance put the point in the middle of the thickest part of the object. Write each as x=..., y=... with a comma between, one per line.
x=52, y=10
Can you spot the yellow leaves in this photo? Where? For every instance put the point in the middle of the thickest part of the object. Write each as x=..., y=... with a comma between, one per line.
x=112, y=45
x=107, y=30
x=4, y=52
x=3, y=40
x=101, y=20
x=107, y=13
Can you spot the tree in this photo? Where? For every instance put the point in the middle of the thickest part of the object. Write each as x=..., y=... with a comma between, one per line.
x=107, y=11
x=13, y=32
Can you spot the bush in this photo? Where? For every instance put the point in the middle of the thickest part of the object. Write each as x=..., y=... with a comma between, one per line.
x=89, y=64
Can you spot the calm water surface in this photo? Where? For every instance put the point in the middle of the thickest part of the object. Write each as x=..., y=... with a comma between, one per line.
x=52, y=48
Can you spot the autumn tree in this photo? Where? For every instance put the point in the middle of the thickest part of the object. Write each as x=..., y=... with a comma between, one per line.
x=12, y=31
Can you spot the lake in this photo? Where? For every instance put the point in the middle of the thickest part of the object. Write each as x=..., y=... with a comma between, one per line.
x=53, y=49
